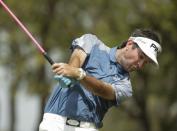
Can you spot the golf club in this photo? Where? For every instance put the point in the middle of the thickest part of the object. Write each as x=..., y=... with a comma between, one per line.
x=19, y=23
x=66, y=80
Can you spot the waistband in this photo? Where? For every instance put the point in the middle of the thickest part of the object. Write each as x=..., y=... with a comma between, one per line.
x=68, y=121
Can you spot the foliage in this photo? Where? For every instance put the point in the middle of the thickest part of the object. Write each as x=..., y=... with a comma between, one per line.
x=55, y=23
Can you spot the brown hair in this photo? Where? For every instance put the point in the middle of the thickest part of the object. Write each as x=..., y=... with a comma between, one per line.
x=148, y=33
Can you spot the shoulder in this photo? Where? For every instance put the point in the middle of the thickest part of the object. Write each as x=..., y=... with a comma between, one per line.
x=93, y=39
x=86, y=38
x=89, y=35
x=87, y=42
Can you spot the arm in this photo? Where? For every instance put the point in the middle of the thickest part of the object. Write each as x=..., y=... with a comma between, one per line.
x=99, y=87
x=71, y=69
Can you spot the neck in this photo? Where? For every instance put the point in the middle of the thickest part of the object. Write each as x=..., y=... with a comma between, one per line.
x=119, y=55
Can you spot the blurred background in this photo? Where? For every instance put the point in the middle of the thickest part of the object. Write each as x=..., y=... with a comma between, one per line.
x=26, y=79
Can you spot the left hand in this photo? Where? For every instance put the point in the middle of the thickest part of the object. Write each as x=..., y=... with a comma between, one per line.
x=65, y=70
x=65, y=81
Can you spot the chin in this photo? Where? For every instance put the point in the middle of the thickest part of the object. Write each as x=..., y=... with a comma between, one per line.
x=132, y=69
x=128, y=69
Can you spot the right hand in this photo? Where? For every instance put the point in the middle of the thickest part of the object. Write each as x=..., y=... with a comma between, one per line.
x=65, y=70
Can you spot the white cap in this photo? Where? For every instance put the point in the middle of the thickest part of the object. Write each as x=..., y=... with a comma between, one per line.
x=150, y=47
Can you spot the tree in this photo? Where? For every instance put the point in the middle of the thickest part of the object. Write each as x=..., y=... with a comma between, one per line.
x=57, y=22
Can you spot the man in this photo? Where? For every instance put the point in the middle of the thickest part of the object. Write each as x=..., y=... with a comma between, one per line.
x=100, y=80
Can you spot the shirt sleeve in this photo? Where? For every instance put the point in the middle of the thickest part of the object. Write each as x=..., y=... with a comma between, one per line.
x=85, y=42
x=123, y=90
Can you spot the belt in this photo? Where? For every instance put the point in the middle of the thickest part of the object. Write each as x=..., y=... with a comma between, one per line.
x=68, y=121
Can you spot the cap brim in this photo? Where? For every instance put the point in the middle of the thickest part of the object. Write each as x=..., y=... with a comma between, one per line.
x=149, y=55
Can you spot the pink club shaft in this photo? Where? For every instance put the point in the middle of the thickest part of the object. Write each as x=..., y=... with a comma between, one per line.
x=22, y=26
x=26, y=31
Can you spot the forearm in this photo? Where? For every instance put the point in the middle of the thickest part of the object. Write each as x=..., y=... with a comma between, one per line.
x=77, y=58
x=98, y=87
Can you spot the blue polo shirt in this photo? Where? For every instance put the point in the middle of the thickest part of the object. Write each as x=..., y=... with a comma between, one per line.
x=79, y=103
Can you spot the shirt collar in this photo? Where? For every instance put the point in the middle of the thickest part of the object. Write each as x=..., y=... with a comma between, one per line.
x=112, y=54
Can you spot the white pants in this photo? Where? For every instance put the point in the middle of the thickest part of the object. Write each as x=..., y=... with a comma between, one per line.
x=53, y=122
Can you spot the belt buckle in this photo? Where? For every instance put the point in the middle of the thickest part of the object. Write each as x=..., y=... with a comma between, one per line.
x=72, y=122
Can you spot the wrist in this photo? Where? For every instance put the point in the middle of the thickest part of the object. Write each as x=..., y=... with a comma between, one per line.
x=81, y=74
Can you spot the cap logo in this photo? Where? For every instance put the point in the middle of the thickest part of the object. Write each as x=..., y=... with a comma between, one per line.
x=154, y=46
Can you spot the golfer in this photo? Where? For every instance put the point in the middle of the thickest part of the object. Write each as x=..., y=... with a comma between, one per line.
x=100, y=80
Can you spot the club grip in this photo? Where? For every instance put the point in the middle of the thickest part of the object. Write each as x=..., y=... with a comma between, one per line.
x=48, y=58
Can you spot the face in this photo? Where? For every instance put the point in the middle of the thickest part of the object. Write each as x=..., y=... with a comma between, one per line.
x=134, y=58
